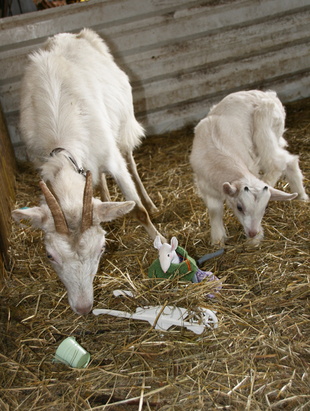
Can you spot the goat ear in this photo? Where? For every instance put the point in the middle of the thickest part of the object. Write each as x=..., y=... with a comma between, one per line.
x=278, y=195
x=37, y=216
x=157, y=242
x=174, y=243
x=230, y=189
x=111, y=210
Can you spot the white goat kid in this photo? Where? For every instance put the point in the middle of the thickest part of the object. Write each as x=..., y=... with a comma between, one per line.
x=77, y=110
x=238, y=155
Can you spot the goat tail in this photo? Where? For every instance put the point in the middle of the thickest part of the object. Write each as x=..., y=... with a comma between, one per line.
x=268, y=129
x=95, y=41
x=131, y=134
x=268, y=123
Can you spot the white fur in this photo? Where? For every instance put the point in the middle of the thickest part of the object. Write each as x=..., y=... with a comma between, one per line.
x=167, y=253
x=238, y=155
x=74, y=96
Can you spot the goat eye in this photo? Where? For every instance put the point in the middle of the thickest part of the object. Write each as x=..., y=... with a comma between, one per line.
x=102, y=249
x=50, y=257
x=240, y=208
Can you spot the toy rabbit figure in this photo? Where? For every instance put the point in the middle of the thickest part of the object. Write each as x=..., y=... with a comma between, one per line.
x=175, y=261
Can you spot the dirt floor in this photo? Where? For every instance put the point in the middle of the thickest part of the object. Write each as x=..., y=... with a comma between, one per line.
x=257, y=358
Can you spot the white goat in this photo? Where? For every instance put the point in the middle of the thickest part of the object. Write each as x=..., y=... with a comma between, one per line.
x=238, y=154
x=77, y=111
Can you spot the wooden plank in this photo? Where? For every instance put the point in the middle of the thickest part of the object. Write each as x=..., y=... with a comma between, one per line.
x=197, y=22
x=188, y=54
x=99, y=14
x=7, y=156
x=195, y=85
x=2, y=272
x=177, y=33
x=173, y=59
x=5, y=227
x=7, y=185
x=219, y=47
x=35, y=27
x=191, y=112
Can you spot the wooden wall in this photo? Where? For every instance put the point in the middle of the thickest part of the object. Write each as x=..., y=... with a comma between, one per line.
x=7, y=193
x=181, y=55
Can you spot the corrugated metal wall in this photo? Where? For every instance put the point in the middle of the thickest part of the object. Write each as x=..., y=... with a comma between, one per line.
x=181, y=56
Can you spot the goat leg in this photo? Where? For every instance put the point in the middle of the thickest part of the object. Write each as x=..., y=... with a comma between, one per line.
x=104, y=191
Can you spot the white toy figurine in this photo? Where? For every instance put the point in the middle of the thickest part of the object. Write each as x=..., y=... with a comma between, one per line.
x=167, y=253
x=174, y=261
x=168, y=316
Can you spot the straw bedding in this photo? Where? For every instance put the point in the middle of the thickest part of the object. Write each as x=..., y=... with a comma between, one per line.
x=257, y=359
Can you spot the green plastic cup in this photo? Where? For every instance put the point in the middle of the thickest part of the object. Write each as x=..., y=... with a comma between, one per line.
x=71, y=353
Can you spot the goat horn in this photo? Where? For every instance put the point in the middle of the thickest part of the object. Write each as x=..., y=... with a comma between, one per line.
x=87, y=215
x=57, y=213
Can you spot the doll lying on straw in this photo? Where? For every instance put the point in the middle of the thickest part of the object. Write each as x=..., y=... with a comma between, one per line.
x=174, y=261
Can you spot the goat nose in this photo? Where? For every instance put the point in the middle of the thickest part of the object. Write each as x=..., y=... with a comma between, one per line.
x=252, y=234
x=83, y=310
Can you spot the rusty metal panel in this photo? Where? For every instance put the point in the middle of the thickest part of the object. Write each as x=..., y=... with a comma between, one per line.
x=181, y=56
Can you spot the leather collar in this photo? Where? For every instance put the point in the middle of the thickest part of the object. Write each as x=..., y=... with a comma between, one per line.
x=78, y=169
